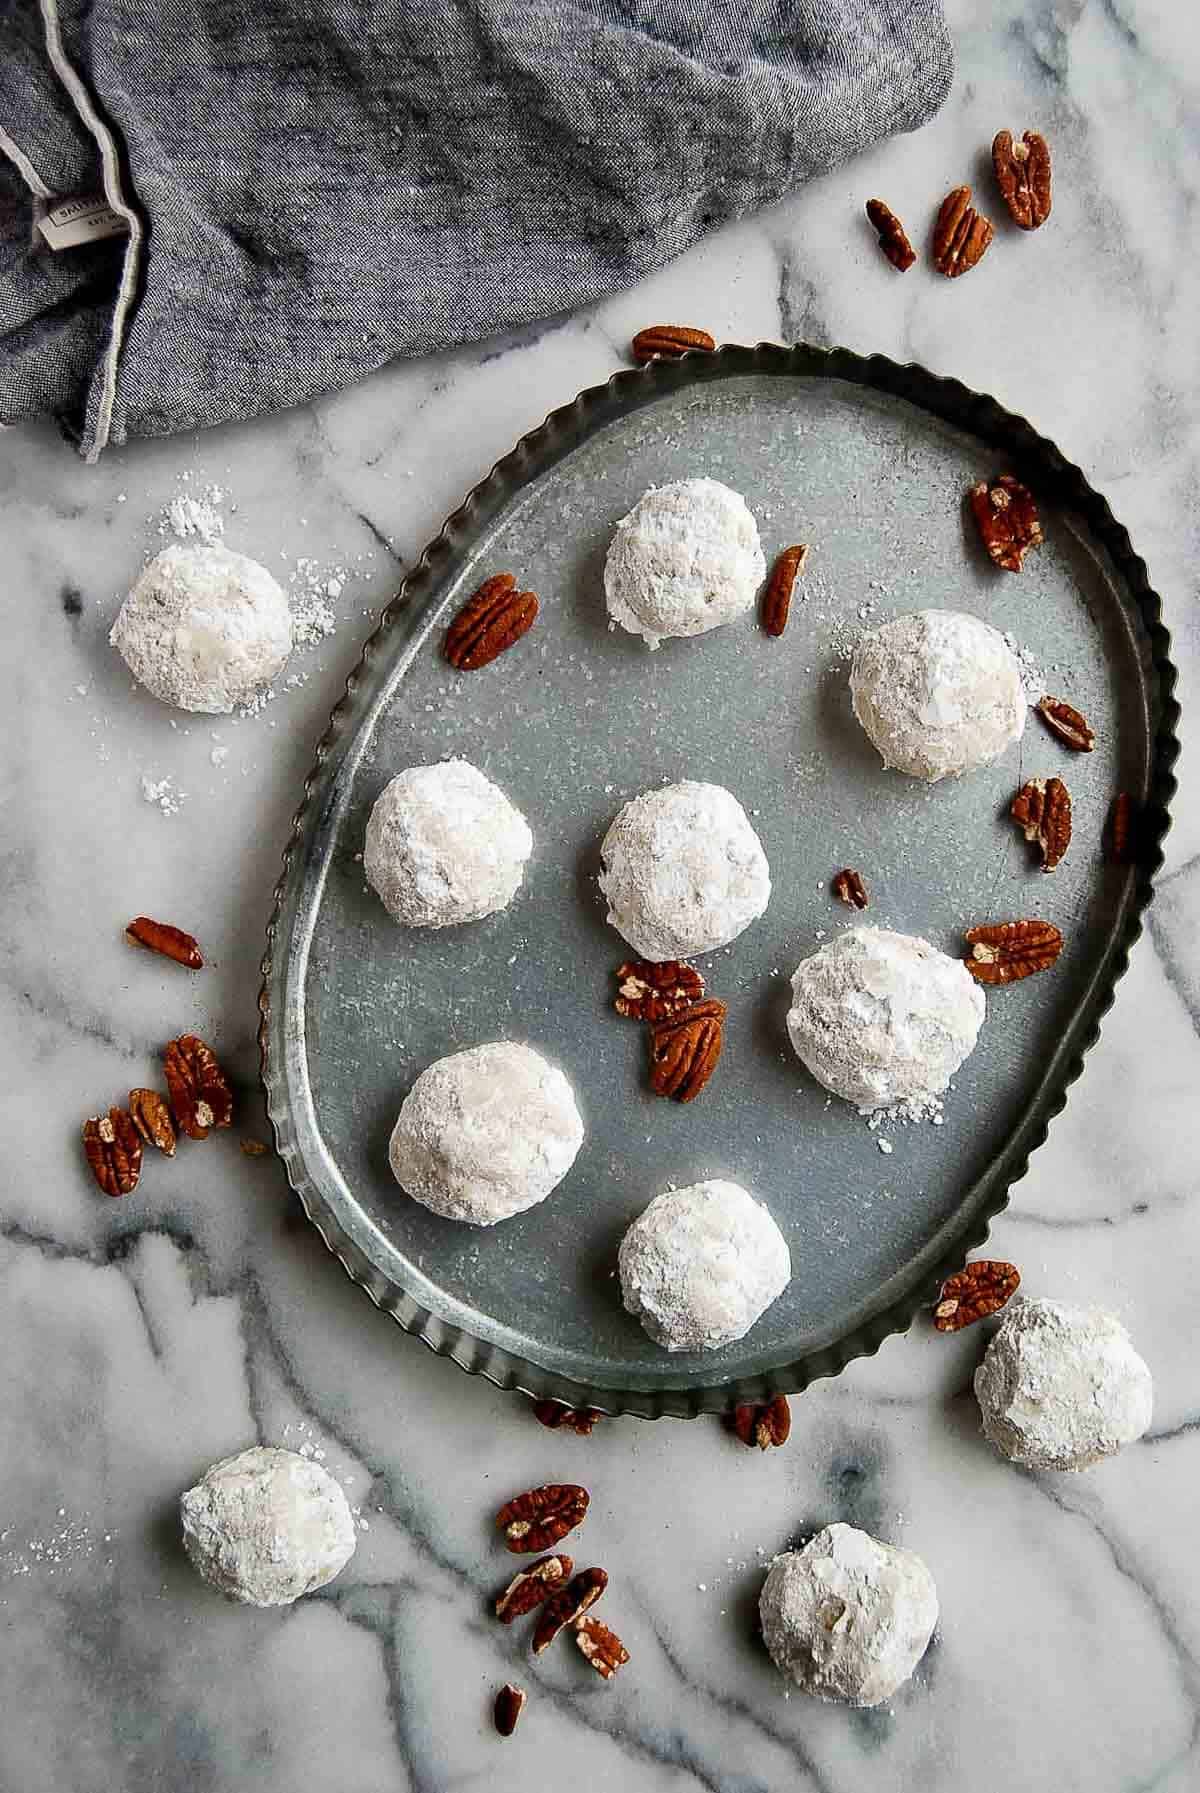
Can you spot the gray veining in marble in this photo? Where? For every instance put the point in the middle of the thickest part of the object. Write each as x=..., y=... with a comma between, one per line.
x=141, y=1339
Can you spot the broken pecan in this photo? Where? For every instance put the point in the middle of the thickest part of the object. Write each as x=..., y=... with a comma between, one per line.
x=684, y=1050
x=540, y=1517
x=569, y=1604
x=1023, y=176
x=113, y=1147
x=979, y=1290
x=893, y=239
x=161, y=937
x=1008, y=520
x=152, y=1118
x=777, y=595
x=762, y=1426
x=961, y=234
x=649, y=991
x=1120, y=844
x=849, y=887
x=554, y=1414
x=667, y=342
x=201, y=1098
x=510, y=1703
x=1042, y=810
x=253, y=1148
x=601, y=1647
x=489, y=623
x=531, y=1586
x=1066, y=724
x=1003, y=952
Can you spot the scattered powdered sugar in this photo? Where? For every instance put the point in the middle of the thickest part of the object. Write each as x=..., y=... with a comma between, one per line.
x=1033, y=681
x=63, y=1547
x=310, y=589
x=201, y=516
x=163, y=793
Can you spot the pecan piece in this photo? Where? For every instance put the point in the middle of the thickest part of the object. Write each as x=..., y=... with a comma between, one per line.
x=161, y=937
x=531, y=1586
x=510, y=1703
x=1023, y=176
x=667, y=342
x=1042, y=810
x=1008, y=521
x=253, y=1148
x=777, y=594
x=961, y=234
x=650, y=991
x=113, y=1147
x=893, y=239
x=569, y=1604
x=601, y=1647
x=849, y=887
x=1066, y=724
x=684, y=1050
x=489, y=623
x=979, y=1290
x=201, y=1098
x=1003, y=952
x=540, y=1517
x=763, y=1426
x=582, y=1420
x=1120, y=830
x=152, y=1118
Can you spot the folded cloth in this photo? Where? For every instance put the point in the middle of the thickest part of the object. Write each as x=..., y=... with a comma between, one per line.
x=304, y=191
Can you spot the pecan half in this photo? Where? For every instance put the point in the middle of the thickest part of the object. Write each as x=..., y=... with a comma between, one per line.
x=1066, y=724
x=667, y=342
x=1003, y=952
x=762, y=1426
x=961, y=234
x=152, y=1118
x=531, y=1586
x=1042, y=810
x=893, y=239
x=848, y=886
x=201, y=1098
x=582, y=1420
x=650, y=991
x=777, y=595
x=684, y=1050
x=1120, y=830
x=510, y=1703
x=601, y=1647
x=1008, y=521
x=113, y=1147
x=540, y=1517
x=161, y=937
x=569, y=1604
x=253, y=1148
x=489, y=623
x=1023, y=176
x=979, y=1290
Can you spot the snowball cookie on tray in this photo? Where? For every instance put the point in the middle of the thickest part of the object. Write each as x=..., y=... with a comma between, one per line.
x=938, y=693
x=684, y=872
x=486, y=1133
x=445, y=845
x=879, y=1017
x=267, y=1526
x=848, y=1618
x=1061, y=1387
x=204, y=628
x=686, y=559
x=700, y=1265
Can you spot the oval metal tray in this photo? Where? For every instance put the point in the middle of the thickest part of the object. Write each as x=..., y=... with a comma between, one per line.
x=869, y=462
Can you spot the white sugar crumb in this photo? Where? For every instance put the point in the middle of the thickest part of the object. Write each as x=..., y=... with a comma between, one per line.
x=163, y=793
x=1033, y=681
x=186, y=516
x=885, y=1146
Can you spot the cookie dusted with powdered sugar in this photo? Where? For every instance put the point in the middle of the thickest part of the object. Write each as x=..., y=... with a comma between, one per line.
x=938, y=693
x=686, y=559
x=204, y=628
x=267, y=1526
x=444, y=845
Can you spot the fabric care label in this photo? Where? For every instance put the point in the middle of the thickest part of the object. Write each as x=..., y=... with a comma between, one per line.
x=85, y=220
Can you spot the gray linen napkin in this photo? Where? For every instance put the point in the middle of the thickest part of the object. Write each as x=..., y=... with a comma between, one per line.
x=305, y=191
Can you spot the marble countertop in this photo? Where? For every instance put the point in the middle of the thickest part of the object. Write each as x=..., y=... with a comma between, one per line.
x=140, y=1340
